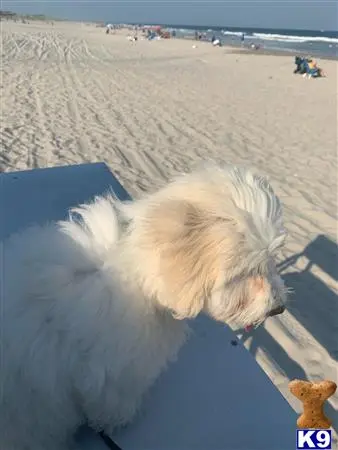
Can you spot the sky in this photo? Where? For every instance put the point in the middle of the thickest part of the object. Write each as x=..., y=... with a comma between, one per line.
x=289, y=14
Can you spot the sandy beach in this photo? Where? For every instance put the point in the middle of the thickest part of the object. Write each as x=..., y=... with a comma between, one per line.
x=72, y=94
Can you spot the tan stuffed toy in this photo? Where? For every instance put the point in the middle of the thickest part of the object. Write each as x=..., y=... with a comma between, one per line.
x=313, y=396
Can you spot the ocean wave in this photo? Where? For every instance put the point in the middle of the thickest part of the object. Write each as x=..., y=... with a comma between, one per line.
x=295, y=39
x=186, y=31
x=232, y=33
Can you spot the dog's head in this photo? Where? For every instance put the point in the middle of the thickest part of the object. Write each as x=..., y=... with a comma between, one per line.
x=206, y=242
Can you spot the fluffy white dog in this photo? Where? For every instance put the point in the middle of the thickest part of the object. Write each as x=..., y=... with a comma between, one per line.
x=93, y=307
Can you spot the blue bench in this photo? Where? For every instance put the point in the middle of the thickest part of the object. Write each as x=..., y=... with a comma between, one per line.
x=215, y=397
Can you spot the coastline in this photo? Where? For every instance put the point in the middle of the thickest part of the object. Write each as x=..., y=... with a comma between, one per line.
x=320, y=43
x=239, y=49
x=230, y=37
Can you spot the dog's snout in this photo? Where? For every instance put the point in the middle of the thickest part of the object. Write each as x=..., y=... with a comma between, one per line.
x=276, y=311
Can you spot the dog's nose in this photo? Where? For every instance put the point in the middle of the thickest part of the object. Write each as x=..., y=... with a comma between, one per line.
x=276, y=311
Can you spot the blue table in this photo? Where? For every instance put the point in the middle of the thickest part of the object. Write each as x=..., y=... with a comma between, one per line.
x=215, y=397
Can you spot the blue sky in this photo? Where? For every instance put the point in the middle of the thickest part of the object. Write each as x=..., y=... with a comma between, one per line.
x=308, y=14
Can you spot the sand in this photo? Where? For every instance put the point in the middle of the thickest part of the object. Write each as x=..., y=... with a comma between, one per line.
x=72, y=94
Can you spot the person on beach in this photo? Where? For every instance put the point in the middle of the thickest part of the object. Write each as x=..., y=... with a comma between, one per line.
x=308, y=67
x=321, y=72
x=314, y=69
x=300, y=65
x=242, y=39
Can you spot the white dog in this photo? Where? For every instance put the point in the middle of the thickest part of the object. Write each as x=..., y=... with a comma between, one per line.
x=93, y=307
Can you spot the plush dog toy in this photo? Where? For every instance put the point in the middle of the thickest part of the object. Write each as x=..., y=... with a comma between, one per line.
x=313, y=396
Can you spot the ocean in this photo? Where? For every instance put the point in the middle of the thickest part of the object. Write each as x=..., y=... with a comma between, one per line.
x=312, y=42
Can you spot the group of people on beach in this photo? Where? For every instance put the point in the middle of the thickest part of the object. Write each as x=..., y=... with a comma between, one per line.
x=308, y=67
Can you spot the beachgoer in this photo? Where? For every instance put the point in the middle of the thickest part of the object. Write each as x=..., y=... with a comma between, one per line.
x=300, y=65
x=321, y=72
x=312, y=64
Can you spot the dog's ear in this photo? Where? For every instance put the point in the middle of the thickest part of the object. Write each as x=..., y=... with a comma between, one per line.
x=187, y=248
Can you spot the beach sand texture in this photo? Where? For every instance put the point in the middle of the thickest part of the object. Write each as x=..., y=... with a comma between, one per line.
x=71, y=94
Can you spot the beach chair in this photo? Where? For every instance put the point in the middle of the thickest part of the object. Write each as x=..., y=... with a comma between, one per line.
x=215, y=397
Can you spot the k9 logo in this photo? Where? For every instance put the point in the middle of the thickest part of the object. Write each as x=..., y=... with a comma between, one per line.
x=314, y=439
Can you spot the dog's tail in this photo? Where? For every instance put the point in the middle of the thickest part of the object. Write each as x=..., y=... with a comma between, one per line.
x=94, y=227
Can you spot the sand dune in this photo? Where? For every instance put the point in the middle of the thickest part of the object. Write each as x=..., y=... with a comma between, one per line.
x=72, y=94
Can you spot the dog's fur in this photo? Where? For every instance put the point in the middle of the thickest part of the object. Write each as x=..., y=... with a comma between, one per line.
x=92, y=307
